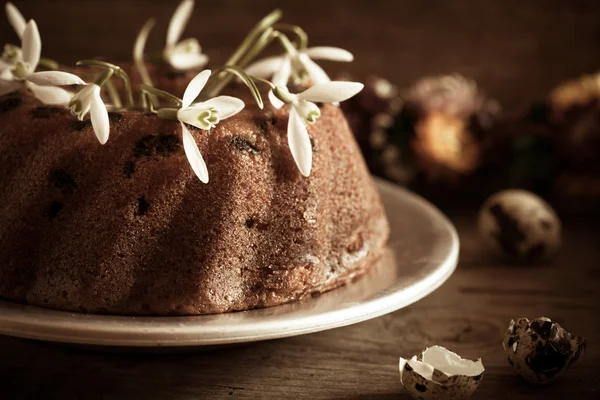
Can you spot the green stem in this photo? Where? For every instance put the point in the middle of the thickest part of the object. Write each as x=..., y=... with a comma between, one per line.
x=218, y=83
x=237, y=71
x=114, y=94
x=144, y=102
x=118, y=71
x=128, y=90
x=48, y=64
x=256, y=78
x=265, y=23
x=167, y=113
x=138, y=57
x=215, y=84
x=301, y=35
x=286, y=43
x=161, y=93
x=97, y=63
x=103, y=77
x=263, y=41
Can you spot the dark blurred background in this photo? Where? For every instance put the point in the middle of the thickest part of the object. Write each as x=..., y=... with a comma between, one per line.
x=516, y=49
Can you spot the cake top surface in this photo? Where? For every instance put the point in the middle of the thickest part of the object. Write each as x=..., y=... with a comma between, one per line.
x=295, y=82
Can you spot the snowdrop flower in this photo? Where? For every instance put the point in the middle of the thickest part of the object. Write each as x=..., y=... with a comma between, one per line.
x=12, y=53
x=204, y=115
x=298, y=65
x=42, y=84
x=88, y=99
x=186, y=54
x=303, y=111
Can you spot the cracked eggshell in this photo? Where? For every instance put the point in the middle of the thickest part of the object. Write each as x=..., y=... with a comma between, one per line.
x=540, y=350
x=520, y=226
x=438, y=374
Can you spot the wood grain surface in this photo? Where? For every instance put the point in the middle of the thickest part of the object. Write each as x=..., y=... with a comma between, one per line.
x=517, y=50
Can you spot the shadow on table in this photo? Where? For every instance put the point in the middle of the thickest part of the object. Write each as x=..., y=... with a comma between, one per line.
x=35, y=370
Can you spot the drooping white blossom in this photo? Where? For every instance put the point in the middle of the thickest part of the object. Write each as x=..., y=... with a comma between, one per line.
x=42, y=84
x=303, y=111
x=298, y=66
x=204, y=115
x=12, y=53
x=185, y=54
x=88, y=99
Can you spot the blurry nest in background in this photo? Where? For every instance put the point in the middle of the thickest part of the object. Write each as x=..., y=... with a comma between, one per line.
x=446, y=139
x=553, y=148
x=434, y=137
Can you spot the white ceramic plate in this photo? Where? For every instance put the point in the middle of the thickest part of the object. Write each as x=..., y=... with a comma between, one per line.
x=423, y=252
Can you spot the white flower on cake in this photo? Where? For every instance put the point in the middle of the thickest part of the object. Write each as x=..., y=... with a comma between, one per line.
x=204, y=115
x=89, y=100
x=12, y=53
x=42, y=84
x=303, y=111
x=186, y=54
x=298, y=65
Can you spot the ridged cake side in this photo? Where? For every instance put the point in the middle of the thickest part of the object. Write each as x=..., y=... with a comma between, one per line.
x=127, y=228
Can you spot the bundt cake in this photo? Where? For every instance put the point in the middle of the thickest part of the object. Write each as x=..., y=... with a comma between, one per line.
x=127, y=227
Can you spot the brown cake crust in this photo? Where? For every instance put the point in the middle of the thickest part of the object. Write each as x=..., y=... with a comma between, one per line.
x=127, y=228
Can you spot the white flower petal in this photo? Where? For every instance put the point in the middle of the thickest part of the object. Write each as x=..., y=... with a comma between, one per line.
x=275, y=102
x=99, y=117
x=185, y=61
x=195, y=87
x=179, y=20
x=283, y=73
x=16, y=19
x=193, y=155
x=6, y=74
x=316, y=73
x=55, y=78
x=226, y=106
x=32, y=45
x=51, y=94
x=9, y=86
x=329, y=53
x=331, y=92
x=265, y=68
x=299, y=142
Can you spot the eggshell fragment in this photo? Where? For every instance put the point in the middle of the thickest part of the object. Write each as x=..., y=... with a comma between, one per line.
x=438, y=374
x=540, y=350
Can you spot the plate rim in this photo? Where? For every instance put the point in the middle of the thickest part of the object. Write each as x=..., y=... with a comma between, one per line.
x=23, y=320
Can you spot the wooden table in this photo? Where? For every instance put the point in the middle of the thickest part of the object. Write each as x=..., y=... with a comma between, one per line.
x=517, y=50
x=468, y=314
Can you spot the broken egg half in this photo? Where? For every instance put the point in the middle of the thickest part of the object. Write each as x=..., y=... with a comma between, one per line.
x=539, y=350
x=437, y=374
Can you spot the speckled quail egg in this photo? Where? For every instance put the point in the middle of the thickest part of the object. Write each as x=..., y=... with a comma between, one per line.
x=539, y=350
x=438, y=374
x=520, y=226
